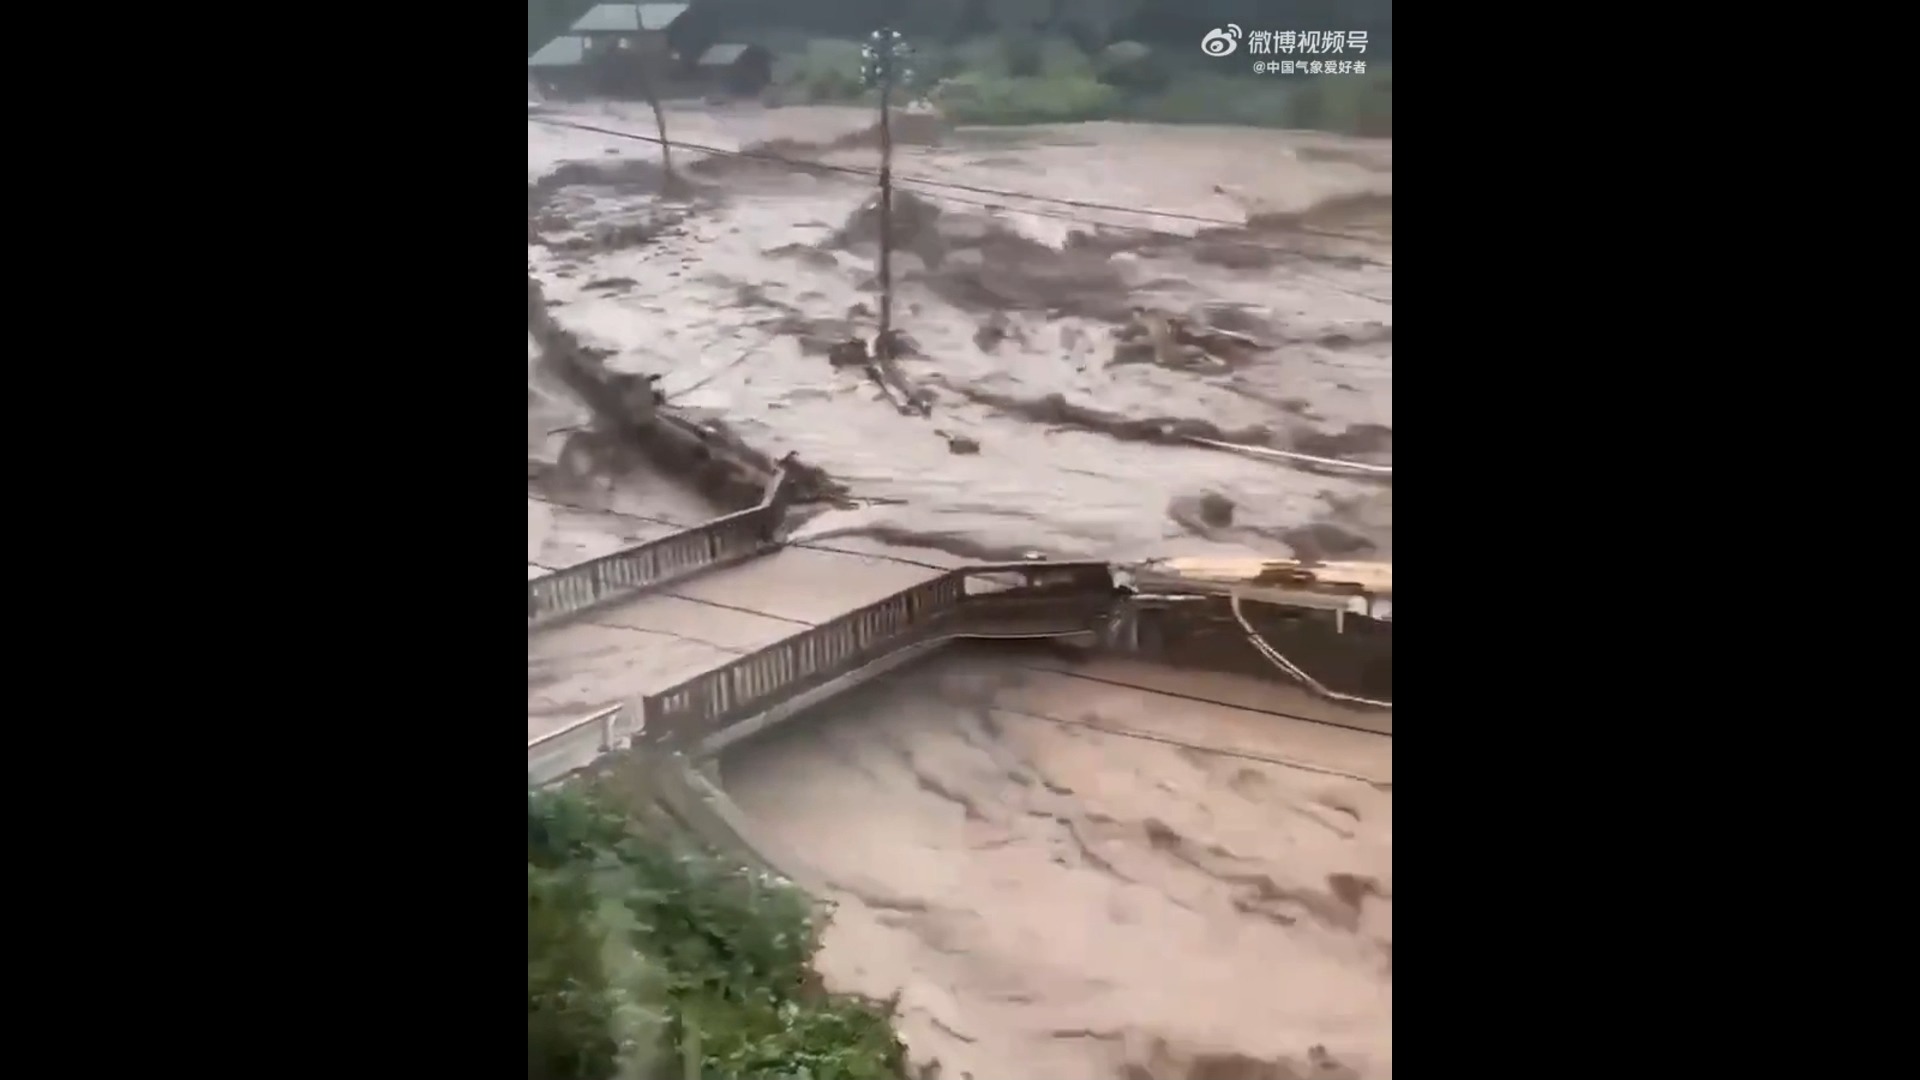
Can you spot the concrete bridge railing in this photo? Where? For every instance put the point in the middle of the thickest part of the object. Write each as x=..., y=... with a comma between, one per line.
x=1010, y=600
x=723, y=541
x=1042, y=600
x=580, y=744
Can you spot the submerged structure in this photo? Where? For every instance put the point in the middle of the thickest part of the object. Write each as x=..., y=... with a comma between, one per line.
x=1323, y=626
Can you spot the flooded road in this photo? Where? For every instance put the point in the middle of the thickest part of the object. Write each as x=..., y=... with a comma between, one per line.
x=1198, y=890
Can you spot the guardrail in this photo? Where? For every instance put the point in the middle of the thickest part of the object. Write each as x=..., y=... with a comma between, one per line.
x=1002, y=600
x=579, y=744
x=721, y=542
x=706, y=712
x=1043, y=600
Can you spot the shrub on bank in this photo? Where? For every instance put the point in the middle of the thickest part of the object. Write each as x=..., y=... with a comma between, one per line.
x=645, y=958
x=1351, y=104
x=978, y=99
x=1018, y=56
x=1011, y=79
x=1131, y=66
x=826, y=70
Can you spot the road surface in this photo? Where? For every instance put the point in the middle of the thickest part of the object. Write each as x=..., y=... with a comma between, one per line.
x=655, y=640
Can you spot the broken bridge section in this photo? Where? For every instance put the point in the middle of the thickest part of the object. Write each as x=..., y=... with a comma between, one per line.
x=692, y=641
x=690, y=667
x=655, y=639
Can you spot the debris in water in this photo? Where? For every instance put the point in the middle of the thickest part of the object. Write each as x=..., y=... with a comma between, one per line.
x=960, y=444
x=1216, y=509
x=1178, y=342
x=893, y=343
x=996, y=329
x=849, y=353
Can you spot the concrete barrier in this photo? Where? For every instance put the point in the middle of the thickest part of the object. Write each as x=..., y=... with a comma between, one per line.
x=1046, y=600
x=721, y=542
x=671, y=733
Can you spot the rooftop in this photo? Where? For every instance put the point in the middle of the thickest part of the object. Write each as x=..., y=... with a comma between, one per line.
x=627, y=18
x=561, y=52
x=723, y=53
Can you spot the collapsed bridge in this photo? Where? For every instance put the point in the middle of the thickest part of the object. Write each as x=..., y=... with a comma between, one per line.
x=672, y=650
x=740, y=629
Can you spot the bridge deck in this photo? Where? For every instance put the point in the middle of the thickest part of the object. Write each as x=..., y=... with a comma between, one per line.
x=658, y=639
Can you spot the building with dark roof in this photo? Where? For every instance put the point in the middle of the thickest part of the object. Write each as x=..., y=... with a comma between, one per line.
x=738, y=69
x=612, y=49
x=623, y=50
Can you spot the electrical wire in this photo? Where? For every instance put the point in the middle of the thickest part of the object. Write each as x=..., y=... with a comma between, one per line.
x=938, y=188
x=1292, y=669
x=1116, y=683
x=873, y=174
x=1260, y=645
x=1203, y=700
x=1198, y=748
x=678, y=525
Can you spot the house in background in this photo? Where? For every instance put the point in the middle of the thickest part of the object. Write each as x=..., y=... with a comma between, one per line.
x=614, y=49
x=558, y=69
x=740, y=70
x=642, y=30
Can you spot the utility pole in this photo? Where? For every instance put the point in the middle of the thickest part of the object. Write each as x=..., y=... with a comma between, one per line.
x=883, y=63
x=643, y=65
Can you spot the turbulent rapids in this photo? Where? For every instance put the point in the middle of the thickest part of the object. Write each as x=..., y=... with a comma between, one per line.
x=1062, y=865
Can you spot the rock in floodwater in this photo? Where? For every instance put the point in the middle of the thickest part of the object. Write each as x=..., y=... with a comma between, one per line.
x=960, y=444
x=894, y=343
x=1324, y=540
x=1216, y=509
x=991, y=332
x=849, y=353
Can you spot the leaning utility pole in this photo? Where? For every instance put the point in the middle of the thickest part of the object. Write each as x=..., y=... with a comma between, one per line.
x=643, y=65
x=884, y=62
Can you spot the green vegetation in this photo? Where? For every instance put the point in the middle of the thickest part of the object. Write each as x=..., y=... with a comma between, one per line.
x=647, y=958
x=1022, y=62
x=821, y=69
x=1013, y=79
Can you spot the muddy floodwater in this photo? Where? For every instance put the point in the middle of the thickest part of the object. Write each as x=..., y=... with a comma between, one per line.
x=1206, y=892
x=1064, y=878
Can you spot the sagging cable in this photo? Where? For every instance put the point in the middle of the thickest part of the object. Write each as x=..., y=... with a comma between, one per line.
x=1292, y=669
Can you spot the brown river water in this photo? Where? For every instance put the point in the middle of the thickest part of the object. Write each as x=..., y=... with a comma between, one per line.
x=1105, y=873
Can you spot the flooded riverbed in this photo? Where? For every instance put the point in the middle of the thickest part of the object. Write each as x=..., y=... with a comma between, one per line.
x=732, y=295
x=1064, y=877
x=1206, y=893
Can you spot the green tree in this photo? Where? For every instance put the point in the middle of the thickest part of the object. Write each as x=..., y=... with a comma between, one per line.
x=641, y=951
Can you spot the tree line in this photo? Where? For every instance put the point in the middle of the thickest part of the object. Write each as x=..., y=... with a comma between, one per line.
x=1092, y=23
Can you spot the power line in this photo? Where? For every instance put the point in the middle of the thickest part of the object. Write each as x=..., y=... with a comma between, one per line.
x=1212, y=751
x=1118, y=732
x=1233, y=753
x=1200, y=699
x=929, y=189
x=873, y=174
x=930, y=183
x=810, y=545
